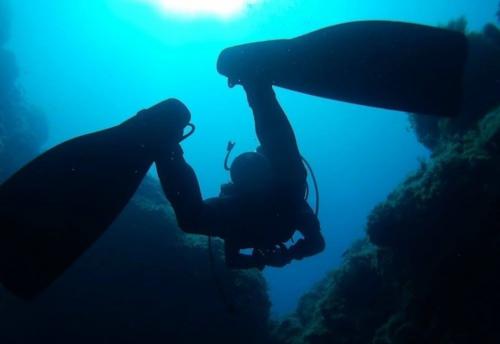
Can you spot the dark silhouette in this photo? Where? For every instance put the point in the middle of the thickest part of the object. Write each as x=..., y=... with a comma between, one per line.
x=394, y=65
x=57, y=206
x=263, y=206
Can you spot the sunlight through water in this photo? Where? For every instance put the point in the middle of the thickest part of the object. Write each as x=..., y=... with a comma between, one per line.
x=224, y=9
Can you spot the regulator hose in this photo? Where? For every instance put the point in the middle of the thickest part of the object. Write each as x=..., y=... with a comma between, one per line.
x=315, y=184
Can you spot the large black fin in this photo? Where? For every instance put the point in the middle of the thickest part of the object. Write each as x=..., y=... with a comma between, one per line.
x=58, y=205
x=393, y=65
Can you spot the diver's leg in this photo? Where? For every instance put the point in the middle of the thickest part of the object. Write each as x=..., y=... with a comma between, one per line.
x=275, y=133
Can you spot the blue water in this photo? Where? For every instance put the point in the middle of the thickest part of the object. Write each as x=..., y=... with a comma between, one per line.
x=89, y=64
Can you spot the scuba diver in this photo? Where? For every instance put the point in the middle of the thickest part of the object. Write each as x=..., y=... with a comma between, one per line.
x=263, y=206
x=87, y=181
x=259, y=210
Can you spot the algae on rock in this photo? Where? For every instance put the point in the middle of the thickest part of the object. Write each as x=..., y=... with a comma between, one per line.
x=443, y=228
x=430, y=271
x=348, y=306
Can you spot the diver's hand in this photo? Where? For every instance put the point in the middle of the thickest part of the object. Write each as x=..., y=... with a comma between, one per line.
x=297, y=250
x=277, y=257
x=259, y=259
x=312, y=245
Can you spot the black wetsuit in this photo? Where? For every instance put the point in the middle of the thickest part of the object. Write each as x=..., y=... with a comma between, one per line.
x=250, y=222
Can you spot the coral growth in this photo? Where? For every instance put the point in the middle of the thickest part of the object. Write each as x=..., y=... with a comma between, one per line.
x=143, y=282
x=22, y=127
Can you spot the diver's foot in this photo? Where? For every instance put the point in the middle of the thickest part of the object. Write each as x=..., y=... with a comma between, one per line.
x=162, y=124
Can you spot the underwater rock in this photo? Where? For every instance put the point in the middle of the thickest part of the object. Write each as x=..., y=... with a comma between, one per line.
x=492, y=32
x=479, y=100
x=443, y=228
x=144, y=281
x=430, y=271
x=23, y=128
x=348, y=306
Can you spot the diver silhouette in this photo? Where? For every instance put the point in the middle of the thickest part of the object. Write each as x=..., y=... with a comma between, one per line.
x=87, y=181
x=386, y=64
x=58, y=205
x=263, y=206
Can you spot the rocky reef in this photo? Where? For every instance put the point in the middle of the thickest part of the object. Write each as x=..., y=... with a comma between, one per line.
x=144, y=281
x=441, y=228
x=428, y=270
x=348, y=306
x=22, y=127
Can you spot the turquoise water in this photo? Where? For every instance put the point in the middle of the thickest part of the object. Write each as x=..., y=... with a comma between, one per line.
x=91, y=64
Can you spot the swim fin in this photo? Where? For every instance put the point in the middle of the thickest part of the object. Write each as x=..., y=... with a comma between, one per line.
x=393, y=65
x=58, y=205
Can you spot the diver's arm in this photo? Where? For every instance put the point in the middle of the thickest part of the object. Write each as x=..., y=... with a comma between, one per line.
x=181, y=187
x=312, y=242
x=237, y=260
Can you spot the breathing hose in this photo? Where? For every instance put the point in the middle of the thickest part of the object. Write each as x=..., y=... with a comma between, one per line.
x=315, y=184
x=230, y=147
x=217, y=281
